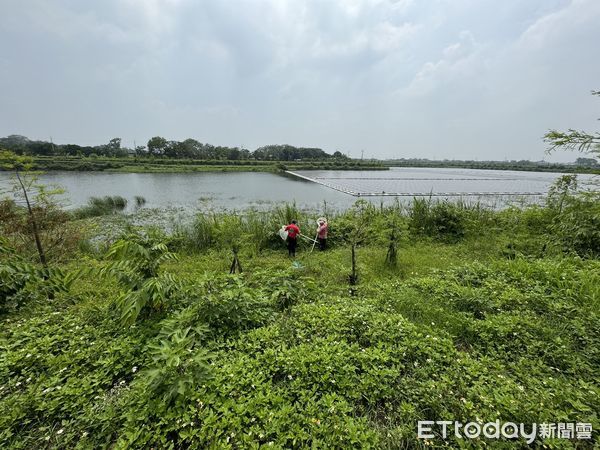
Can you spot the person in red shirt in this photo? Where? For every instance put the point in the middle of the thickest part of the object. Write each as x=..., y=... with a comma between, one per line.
x=292, y=240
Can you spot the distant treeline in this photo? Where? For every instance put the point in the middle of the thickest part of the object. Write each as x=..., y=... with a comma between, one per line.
x=136, y=163
x=161, y=147
x=581, y=165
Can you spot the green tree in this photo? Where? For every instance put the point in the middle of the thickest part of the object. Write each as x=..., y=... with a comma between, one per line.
x=586, y=162
x=359, y=218
x=24, y=184
x=229, y=234
x=157, y=145
x=36, y=215
x=580, y=141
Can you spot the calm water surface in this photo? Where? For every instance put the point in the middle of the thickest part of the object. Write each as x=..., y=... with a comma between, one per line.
x=241, y=190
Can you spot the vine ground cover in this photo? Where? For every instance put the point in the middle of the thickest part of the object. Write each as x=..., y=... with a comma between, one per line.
x=478, y=321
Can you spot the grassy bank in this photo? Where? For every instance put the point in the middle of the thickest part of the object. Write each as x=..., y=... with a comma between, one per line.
x=482, y=315
x=179, y=165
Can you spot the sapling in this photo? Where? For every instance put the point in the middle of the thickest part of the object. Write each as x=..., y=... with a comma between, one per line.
x=230, y=234
x=357, y=235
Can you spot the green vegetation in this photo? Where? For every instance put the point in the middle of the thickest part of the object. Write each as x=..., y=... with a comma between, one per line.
x=580, y=141
x=160, y=147
x=162, y=155
x=100, y=206
x=147, y=164
x=587, y=165
x=436, y=311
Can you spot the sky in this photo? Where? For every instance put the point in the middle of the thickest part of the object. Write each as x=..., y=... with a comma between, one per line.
x=455, y=79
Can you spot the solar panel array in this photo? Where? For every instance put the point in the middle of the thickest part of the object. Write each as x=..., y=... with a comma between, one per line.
x=425, y=182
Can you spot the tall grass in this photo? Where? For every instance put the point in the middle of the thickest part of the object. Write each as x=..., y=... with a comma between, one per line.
x=258, y=230
x=139, y=201
x=532, y=231
x=101, y=206
x=446, y=220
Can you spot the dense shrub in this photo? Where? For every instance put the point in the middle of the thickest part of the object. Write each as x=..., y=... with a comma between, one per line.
x=576, y=225
x=443, y=220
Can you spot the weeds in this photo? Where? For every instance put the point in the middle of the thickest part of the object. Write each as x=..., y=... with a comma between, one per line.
x=472, y=322
x=102, y=206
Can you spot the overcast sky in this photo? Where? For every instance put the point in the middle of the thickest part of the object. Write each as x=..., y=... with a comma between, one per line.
x=457, y=79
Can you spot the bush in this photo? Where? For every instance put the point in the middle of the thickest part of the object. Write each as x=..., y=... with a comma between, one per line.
x=135, y=262
x=577, y=225
x=441, y=220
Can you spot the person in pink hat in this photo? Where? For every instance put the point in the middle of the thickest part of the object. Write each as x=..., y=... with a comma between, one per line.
x=322, y=229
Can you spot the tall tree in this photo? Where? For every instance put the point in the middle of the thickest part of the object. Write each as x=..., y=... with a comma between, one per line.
x=157, y=145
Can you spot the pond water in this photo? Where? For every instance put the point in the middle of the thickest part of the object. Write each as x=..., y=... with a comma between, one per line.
x=241, y=190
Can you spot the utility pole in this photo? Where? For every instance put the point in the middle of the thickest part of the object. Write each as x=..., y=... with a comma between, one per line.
x=362, y=155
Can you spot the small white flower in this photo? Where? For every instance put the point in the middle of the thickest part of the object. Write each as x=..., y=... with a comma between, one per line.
x=85, y=433
x=28, y=380
x=47, y=438
x=134, y=370
x=290, y=377
x=18, y=383
x=60, y=431
x=28, y=355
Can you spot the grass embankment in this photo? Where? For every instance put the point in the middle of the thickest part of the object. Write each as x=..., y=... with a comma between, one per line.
x=177, y=165
x=480, y=321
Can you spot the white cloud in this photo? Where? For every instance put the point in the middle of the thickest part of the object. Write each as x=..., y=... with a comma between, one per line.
x=318, y=72
x=460, y=61
x=550, y=29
